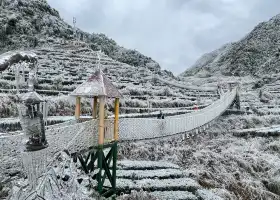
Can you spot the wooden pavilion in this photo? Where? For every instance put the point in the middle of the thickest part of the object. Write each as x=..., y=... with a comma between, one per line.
x=99, y=87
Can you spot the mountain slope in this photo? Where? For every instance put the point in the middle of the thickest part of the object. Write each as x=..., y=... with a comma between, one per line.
x=66, y=59
x=32, y=23
x=202, y=64
x=255, y=54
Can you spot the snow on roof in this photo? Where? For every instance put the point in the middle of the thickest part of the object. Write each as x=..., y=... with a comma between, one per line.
x=12, y=57
x=97, y=85
x=31, y=98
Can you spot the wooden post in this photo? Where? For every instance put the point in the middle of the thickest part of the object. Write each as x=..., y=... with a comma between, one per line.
x=101, y=120
x=94, y=111
x=116, y=122
x=78, y=107
x=38, y=107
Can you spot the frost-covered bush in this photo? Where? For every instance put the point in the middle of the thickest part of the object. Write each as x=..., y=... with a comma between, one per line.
x=135, y=103
x=164, y=92
x=273, y=185
x=131, y=57
x=168, y=103
x=5, y=84
x=8, y=107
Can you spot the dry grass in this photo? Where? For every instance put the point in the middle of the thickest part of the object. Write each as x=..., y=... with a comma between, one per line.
x=243, y=167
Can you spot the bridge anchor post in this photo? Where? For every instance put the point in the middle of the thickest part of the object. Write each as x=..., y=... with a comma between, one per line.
x=236, y=101
x=107, y=167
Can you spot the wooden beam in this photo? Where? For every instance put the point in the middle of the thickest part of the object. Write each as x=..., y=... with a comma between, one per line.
x=94, y=110
x=116, y=122
x=78, y=107
x=101, y=120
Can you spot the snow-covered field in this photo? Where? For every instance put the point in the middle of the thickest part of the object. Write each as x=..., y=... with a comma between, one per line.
x=220, y=163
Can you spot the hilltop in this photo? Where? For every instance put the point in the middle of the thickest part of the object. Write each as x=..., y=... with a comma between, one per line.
x=33, y=23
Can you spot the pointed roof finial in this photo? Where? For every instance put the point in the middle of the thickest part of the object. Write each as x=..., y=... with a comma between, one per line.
x=31, y=80
x=97, y=85
x=98, y=65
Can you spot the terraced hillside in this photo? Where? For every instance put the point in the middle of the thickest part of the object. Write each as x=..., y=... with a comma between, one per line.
x=62, y=67
x=33, y=23
x=67, y=56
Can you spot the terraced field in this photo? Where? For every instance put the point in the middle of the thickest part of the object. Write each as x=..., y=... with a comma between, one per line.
x=62, y=67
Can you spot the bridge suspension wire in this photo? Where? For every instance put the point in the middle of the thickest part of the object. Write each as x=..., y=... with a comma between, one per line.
x=75, y=137
x=137, y=129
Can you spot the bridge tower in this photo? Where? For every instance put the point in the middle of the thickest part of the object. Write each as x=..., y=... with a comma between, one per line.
x=100, y=88
x=236, y=101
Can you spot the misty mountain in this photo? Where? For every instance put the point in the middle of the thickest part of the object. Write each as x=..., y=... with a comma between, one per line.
x=255, y=54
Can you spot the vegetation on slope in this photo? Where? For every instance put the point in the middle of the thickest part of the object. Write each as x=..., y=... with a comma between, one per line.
x=32, y=23
x=255, y=54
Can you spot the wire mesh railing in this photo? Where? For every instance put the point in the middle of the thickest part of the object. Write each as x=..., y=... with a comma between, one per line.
x=139, y=129
x=79, y=136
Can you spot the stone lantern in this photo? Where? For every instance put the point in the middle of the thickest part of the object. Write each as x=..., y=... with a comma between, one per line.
x=31, y=120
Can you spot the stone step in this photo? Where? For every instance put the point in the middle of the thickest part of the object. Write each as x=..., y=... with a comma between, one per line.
x=143, y=174
x=207, y=195
x=174, y=195
x=180, y=184
x=145, y=165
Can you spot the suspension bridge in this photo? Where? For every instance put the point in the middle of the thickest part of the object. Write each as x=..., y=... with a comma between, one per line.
x=75, y=135
x=86, y=140
x=81, y=140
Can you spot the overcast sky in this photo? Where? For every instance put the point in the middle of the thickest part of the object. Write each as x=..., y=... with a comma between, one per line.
x=175, y=33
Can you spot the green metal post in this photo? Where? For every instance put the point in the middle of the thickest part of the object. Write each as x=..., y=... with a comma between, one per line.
x=99, y=176
x=115, y=157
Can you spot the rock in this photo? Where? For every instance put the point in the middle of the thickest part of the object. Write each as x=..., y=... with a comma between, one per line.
x=14, y=172
x=79, y=180
x=66, y=178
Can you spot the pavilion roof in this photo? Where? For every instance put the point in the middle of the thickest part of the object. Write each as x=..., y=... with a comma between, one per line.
x=31, y=97
x=97, y=85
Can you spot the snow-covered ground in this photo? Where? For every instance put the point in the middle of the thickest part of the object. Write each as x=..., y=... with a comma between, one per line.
x=225, y=165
